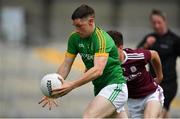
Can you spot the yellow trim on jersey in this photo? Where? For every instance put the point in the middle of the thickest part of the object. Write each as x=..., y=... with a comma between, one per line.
x=102, y=54
x=100, y=46
x=102, y=41
x=70, y=55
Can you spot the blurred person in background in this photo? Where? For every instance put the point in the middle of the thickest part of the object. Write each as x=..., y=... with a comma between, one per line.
x=100, y=56
x=167, y=44
x=145, y=96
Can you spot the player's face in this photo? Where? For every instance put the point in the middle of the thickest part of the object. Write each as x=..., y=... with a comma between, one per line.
x=159, y=24
x=83, y=27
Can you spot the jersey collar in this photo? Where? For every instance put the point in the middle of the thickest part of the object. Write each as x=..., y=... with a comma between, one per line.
x=125, y=59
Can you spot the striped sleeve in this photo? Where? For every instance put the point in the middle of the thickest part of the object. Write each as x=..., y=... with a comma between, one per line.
x=145, y=54
x=101, y=44
x=71, y=48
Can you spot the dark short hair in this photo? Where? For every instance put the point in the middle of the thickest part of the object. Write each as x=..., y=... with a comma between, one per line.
x=117, y=37
x=159, y=13
x=83, y=11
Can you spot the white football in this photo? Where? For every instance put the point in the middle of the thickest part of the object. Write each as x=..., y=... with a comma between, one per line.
x=50, y=82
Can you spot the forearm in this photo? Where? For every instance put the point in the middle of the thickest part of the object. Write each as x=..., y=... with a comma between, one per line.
x=141, y=44
x=156, y=63
x=158, y=72
x=64, y=70
x=88, y=76
x=65, y=67
x=145, y=45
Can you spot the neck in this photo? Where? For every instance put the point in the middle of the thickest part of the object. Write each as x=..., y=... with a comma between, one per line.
x=165, y=30
x=121, y=55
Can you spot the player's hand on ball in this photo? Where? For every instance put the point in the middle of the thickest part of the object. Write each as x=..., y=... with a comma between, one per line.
x=63, y=90
x=50, y=82
x=49, y=102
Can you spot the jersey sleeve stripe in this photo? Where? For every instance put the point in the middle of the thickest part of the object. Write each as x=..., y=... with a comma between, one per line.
x=70, y=55
x=102, y=41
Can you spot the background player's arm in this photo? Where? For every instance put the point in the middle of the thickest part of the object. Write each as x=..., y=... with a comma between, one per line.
x=147, y=42
x=150, y=40
x=65, y=67
x=156, y=63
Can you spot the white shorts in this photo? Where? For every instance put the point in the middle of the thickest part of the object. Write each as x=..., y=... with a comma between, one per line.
x=117, y=94
x=136, y=106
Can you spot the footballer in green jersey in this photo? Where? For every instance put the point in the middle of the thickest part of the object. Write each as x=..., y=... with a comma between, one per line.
x=100, y=56
x=99, y=43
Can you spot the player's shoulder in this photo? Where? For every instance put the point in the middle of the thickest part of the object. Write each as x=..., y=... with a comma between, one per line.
x=138, y=54
x=102, y=35
x=136, y=51
x=74, y=35
x=100, y=31
x=129, y=50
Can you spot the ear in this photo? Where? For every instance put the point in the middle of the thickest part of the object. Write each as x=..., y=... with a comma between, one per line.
x=91, y=21
x=121, y=47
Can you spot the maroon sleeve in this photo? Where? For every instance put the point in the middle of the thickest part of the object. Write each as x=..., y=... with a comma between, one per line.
x=147, y=54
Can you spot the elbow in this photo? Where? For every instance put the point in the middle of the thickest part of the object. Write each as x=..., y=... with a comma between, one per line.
x=154, y=54
x=161, y=77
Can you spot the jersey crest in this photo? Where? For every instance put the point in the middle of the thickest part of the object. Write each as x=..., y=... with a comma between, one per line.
x=133, y=69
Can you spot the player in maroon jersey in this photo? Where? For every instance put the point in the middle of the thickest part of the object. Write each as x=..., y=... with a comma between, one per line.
x=145, y=95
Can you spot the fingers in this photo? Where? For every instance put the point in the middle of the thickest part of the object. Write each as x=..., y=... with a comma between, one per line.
x=150, y=40
x=44, y=104
x=49, y=102
x=42, y=100
x=56, y=91
x=50, y=105
x=61, y=91
x=55, y=103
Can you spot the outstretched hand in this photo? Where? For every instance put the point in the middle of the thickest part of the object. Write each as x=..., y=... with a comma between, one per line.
x=49, y=102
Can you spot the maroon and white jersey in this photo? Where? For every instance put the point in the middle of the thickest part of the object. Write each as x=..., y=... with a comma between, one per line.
x=139, y=81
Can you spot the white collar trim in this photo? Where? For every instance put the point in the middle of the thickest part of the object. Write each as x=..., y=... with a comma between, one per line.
x=126, y=57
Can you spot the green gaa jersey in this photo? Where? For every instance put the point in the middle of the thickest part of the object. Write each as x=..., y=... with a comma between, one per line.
x=98, y=44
